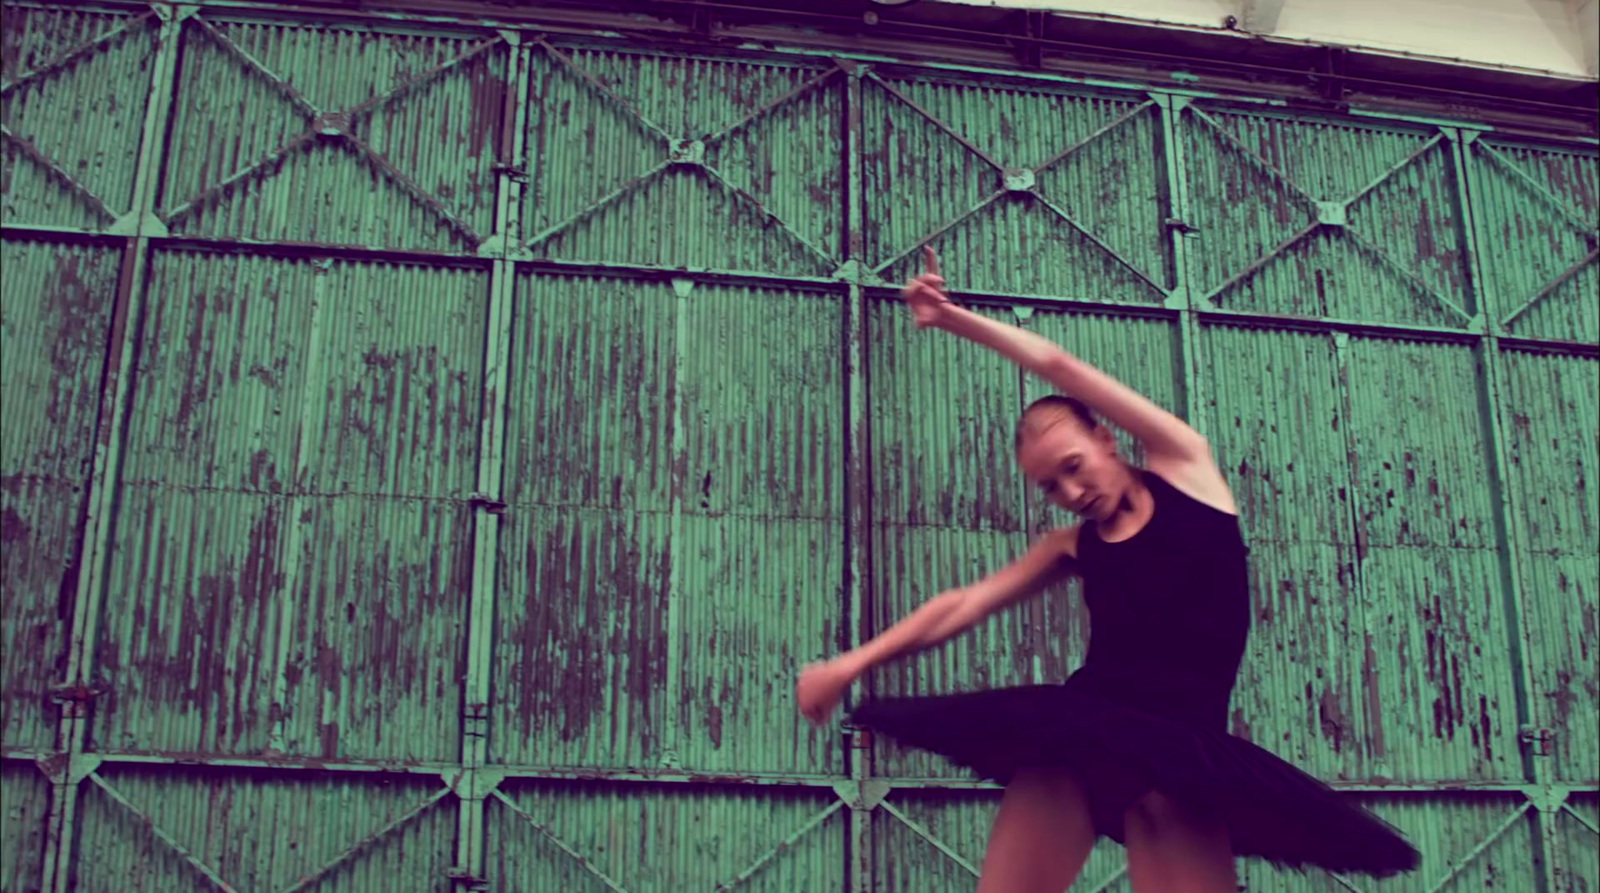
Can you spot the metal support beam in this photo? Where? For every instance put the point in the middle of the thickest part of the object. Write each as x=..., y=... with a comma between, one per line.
x=858, y=467
x=100, y=497
x=1508, y=521
x=477, y=780
x=1260, y=16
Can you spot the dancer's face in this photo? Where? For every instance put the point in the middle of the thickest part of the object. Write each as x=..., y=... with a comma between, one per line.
x=1077, y=468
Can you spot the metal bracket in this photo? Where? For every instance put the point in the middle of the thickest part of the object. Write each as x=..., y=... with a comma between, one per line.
x=1184, y=227
x=1332, y=214
x=466, y=880
x=862, y=795
x=688, y=152
x=484, y=502
x=474, y=784
x=1548, y=799
x=1019, y=179
x=682, y=285
x=63, y=769
x=1540, y=740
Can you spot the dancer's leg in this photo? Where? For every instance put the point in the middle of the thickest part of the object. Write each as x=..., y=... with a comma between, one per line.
x=1173, y=850
x=1041, y=836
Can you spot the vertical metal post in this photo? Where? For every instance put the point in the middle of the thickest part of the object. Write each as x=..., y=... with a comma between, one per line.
x=1194, y=379
x=474, y=783
x=1510, y=530
x=858, y=466
x=99, y=498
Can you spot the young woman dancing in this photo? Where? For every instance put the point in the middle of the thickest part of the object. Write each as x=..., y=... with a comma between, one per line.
x=1134, y=745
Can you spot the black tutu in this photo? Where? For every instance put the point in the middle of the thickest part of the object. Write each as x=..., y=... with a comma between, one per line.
x=1273, y=811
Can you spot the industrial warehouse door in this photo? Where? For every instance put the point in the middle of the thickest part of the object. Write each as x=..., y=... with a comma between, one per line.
x=431, y=450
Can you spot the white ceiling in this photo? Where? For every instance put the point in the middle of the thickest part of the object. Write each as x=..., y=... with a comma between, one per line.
x=1554, y=36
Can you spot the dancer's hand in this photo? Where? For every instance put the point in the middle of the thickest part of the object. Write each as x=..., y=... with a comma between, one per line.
x=925, y=294
x=821, y=688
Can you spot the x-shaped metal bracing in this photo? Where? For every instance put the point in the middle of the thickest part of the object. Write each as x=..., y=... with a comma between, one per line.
x=682, y=151
x=1590, y=229
x=32, y=152
x=1017, y=179
x=305, y=882
x=1328, y=214
x=611, y=884
x=336, y=124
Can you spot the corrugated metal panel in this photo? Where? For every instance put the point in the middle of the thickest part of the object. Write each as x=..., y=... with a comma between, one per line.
x=756, y=598
x=1446, y=829
x=1579, y=848
x=262, y=831
x=1430, y=569
x=921, y=178
x=763, y=403
x=188, y=638
x=760, y=558
x=1274, y=418
x=220, y=372
x=1391, y=250
x=55, y=307
x=1550, y=411
x=26, y=794
x=608, y=119
x=580, y=667
x=245, y=159
x=941, y=416
x=911, y=564
x=580, y=670
x=241, y=366
x=759, y=466
x=960, y=821
x=594, y=360
x=377, y=645
x=674, y=837
x=947, y=503
x=1537, y=208
x=73, y=169
x=396, y=409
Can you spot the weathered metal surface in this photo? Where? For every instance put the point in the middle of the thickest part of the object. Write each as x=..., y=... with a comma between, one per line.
x=26, y=794
x=1538, y=215
x=1469, y=841
x=1579, y=837
x=672, y=161
x=300, y=440
x=1324, y=219
x=1430, y=564
x=722, y=460
x=629, y=838
x=1277, y=428
x=925, y=840
x=1032, y=191
x=73, y=98
x=1550, y=412
x=336, y=135
x=157, y=829
x=55, y=307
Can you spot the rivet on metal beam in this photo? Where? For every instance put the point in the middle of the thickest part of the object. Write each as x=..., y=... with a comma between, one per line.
x=1019, y=179
x=1331, y=213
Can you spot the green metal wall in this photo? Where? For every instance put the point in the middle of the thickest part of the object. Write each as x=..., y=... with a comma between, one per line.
x=431, y=450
